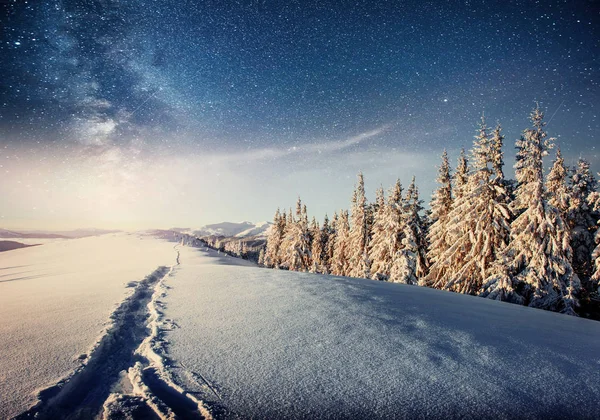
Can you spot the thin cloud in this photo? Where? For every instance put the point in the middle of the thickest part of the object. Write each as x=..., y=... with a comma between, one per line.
x=310, y=148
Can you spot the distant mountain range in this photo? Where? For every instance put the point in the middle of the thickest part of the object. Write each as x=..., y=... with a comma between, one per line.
x=225, y=229
x=64, y=234
x=229, y=229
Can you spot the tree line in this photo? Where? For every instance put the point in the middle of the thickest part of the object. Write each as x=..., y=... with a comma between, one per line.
x=533, y=240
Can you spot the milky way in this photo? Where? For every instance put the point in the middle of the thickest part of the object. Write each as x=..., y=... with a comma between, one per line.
x=124, y=103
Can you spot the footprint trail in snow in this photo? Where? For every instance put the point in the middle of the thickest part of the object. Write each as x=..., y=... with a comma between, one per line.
x=125, y=374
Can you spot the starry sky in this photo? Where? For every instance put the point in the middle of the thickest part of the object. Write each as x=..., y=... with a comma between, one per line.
x=159, y=113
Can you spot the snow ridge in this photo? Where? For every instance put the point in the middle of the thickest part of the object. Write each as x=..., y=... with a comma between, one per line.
x=124, y=375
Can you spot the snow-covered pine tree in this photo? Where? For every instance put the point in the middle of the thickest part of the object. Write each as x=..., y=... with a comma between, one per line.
x=316, y=247
x=274, y=238
x=557, y=192
x=536, y=266
x=331, y=242
x=405, y=260
x=261, y=257
x=359, y=234
x=326, y=234
x=296, y=244
x=393, y=222
x=341, y=251
x=478, y=227
x=441, y=204
x=559, y=196
x=307, y=255
x=581, y=220
x=497, y=162
x=594, y=203
x=496, y=153
x=284, y=255
x=461, y=176
x=303, y=244
x=370, y=211
x=413, y=220
x=379, y=249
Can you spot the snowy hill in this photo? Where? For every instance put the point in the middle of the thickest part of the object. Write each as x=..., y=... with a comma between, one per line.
x=246, y=342
x=258, y=230
x=280, y=344
x=233, y=229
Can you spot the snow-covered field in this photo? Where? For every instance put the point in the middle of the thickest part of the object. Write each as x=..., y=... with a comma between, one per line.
x=55, y=301
x=198, y=330
x=260, y=343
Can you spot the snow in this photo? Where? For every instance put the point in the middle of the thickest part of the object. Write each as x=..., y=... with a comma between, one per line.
x=259, y=229
x=232, y=229
x=166, y=331
x=55, y=302
x=258, y=343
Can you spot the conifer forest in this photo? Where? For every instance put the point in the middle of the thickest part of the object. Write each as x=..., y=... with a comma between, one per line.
x=532, y=240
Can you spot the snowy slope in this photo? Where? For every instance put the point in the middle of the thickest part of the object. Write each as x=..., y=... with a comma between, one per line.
x=230, y=229
x=170, y=331
x=258, y=230
x=55, y=301
x=259, y=343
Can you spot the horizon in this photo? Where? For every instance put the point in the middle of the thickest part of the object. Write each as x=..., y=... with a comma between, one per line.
x=124, y=229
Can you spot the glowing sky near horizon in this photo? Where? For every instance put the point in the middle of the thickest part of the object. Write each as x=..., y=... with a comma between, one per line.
x=144, y=113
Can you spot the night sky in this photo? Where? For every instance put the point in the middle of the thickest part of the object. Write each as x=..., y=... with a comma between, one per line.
x=146, y=113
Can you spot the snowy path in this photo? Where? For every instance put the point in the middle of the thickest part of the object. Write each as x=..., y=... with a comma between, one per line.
x=72, y=313
x=125, y=375
x=257, y=343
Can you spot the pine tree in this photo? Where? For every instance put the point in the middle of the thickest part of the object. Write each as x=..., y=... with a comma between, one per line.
x=379, y=249
x=326, y=235
x=317, y=247
x=284, y=255
x=304, y=244
x=496, y=153
x=330, y=250
x=296, y=244
x=478, y=226
x=404, y=264
x=341, y=251
x=413, y=220
x=359, y=234
x=594, y=203
x=405, y=260
x=461, y=175
x=557, y=192
x=497, y=162
x=441, y=204
x=536, y=266
x=391, y=242
x=370, y=211
x=274, y=239
x=261, y=257
x=580, y=219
